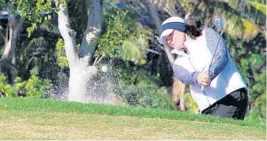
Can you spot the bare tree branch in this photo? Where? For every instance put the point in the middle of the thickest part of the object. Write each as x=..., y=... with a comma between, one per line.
x=68, y=35
x=93, y=30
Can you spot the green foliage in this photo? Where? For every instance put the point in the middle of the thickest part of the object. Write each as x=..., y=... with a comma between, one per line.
x=5, y=88
x=31, y=29
x=234, y=3
x=252, y=68
x=36, y=87
x=34, y=11
x=33, y=46
x=139, y=88
x=61, y=55
x=132, y=51
x=232, y=23
x=190, y=104
x=258, y=112
x=145, y=95
x=251, y=64
x=250, y=29
x=123, y=37
x=261, y=105
x=244, y=66
x=244, y=25
x=33, y=87
x=259, y=87
x=3, y=4
x=255, y=60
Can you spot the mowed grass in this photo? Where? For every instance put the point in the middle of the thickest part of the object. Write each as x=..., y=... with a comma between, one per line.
x=28, y=119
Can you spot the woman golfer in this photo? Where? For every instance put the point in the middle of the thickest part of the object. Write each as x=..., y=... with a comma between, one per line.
x=204, y=61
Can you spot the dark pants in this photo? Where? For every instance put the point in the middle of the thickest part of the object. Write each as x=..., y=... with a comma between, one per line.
x=234, y=105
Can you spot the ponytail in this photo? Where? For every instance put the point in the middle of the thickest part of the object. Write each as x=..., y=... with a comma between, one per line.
x=195, y=24
x=193, y=32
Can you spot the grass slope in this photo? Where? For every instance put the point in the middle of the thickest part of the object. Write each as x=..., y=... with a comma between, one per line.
x=49, y=119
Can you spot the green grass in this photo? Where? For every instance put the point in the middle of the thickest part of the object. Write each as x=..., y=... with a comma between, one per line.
x=24, y=118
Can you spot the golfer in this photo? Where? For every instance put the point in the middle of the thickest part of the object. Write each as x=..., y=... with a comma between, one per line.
x=204, y=61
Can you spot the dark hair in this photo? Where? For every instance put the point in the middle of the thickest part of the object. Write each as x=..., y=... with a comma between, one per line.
x=193, y=32
x=195, y=24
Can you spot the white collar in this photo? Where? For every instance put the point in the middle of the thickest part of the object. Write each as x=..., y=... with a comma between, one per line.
x=178, y=52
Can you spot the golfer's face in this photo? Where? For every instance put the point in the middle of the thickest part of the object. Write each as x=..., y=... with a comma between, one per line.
x=176, y=39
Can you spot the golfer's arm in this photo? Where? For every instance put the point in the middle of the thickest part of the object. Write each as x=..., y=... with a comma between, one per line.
x=220, y=55
x=184, y=75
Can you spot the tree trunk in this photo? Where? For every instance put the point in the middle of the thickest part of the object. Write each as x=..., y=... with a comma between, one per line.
x=14, y=27
x=8, y=41
x=178, y=87
x=78, y=83
x=14, y=30
x=80, y=70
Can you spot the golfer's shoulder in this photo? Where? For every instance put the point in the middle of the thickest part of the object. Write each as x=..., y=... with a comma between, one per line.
x=211, y=34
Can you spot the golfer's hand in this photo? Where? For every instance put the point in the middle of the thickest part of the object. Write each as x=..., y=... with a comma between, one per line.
x=203, y=79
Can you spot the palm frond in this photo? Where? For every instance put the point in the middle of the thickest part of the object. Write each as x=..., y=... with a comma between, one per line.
x=37, y=42
x=259, y=6
x=35, y=46
x=250, y=29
